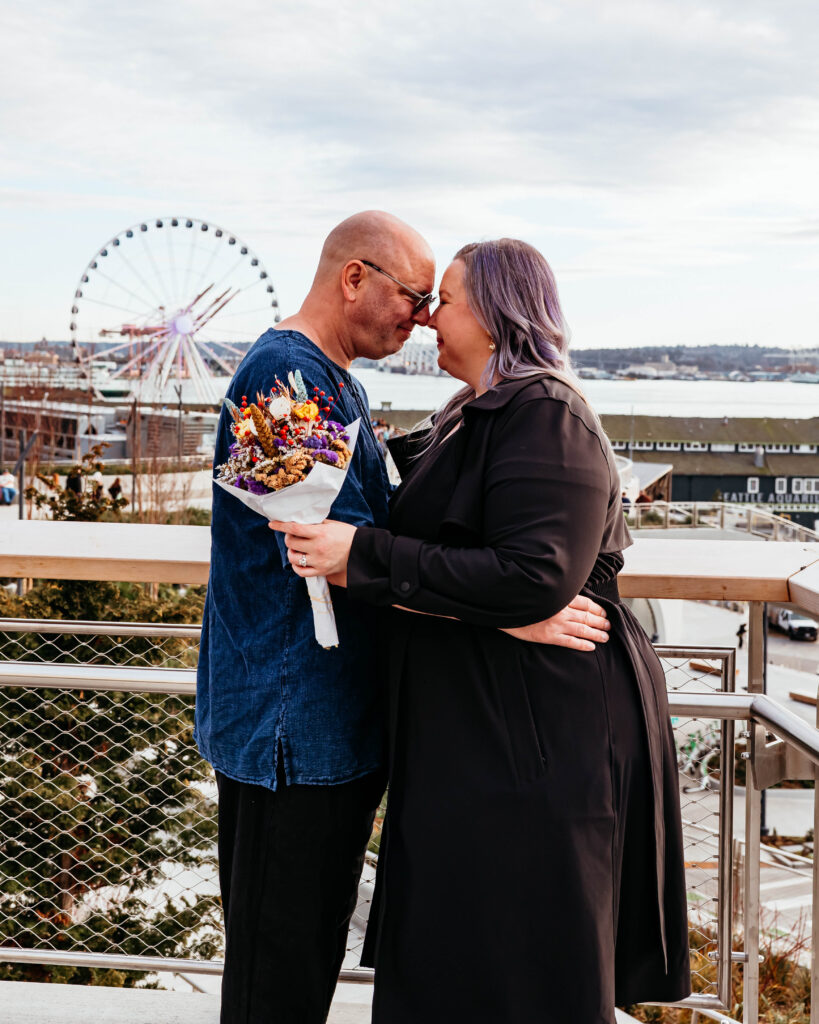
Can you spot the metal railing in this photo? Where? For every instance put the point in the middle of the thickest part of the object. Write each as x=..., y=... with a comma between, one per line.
x=107, y=810
x=123, y=695
x=107, y=813
x=706, y=797
x=719, y=515
x=763, y=716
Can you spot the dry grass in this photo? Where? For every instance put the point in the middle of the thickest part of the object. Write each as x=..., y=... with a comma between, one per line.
x=784, y=981
x=160, y=493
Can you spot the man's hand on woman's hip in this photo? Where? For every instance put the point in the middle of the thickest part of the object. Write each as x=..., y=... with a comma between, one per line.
x=580, y=625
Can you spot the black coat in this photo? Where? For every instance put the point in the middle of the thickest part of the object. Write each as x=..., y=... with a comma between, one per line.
x=531, y=865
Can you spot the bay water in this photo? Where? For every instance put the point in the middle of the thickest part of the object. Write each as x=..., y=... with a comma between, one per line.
x=709, y=398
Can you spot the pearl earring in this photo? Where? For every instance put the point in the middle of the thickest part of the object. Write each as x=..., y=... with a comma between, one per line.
x=491, y=346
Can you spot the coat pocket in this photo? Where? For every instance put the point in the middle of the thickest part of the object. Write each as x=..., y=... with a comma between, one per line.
x=526, y=747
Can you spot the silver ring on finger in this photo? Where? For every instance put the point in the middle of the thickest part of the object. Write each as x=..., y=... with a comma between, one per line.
x=303, y=561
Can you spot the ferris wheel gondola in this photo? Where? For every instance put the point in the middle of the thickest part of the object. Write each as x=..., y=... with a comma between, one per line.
x=184, y=295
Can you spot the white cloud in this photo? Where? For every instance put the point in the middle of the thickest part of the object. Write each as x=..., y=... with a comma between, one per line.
x=630, y=141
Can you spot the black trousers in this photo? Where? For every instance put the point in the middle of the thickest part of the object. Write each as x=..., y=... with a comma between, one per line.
x=289, y=866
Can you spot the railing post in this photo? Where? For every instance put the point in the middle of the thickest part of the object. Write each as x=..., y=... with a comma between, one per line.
x=814, y=960
x=753, y=822
x=725, y=912
x=21, y=485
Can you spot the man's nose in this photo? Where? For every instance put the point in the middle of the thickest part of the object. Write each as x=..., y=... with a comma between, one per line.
x=422, y=317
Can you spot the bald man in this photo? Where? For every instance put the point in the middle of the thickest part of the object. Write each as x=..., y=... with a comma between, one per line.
x=294, y=731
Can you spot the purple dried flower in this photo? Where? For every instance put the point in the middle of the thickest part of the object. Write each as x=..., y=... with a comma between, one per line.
x=327, y=456
x=255, y=487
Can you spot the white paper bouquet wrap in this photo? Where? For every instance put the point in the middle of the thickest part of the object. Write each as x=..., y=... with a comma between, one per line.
x=308, y=501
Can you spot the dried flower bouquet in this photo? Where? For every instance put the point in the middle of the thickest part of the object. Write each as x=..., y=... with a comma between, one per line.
x=288, y=461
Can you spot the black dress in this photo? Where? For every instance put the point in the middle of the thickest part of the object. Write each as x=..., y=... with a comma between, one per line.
x=531, y=863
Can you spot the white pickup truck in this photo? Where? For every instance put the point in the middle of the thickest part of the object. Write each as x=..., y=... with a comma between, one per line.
x=796, y=624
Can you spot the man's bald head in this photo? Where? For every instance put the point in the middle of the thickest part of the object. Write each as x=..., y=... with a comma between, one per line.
x=373, y=235
x=363, y=301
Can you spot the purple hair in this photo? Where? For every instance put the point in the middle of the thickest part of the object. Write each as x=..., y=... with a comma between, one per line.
x=512, y=292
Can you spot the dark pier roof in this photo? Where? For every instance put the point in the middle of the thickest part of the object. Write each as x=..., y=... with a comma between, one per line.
x=716, y=430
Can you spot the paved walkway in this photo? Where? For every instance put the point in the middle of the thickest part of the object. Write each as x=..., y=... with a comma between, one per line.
x=29, y=1003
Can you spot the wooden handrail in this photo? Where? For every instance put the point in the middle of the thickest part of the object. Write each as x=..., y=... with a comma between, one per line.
x=655, y=567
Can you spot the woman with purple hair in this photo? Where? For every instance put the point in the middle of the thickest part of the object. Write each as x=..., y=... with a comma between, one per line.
x=531, y=861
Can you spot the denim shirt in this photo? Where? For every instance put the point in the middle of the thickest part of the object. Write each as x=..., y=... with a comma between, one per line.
x=264, y=684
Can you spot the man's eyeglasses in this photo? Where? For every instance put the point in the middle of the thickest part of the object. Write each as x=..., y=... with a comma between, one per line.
x=421, y=301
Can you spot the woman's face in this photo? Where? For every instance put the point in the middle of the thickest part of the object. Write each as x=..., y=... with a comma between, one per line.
x=463, y=345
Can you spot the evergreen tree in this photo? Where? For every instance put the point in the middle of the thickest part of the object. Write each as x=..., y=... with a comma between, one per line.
x=100, y=798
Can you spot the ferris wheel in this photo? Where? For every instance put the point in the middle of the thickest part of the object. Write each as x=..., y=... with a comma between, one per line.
x=181, y=294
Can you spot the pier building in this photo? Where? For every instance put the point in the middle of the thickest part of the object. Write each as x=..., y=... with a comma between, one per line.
x=764, y=461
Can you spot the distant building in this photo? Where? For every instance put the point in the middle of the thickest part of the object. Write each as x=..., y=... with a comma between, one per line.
x=593, y=373
x=67, y=430
x=768, y=462
x=794, y=360
x=653, y=371
x=419, y=354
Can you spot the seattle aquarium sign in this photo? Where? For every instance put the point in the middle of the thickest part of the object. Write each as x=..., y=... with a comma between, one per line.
x=755, y=498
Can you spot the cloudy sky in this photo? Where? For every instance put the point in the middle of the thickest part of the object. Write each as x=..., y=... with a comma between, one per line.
x=664, y=155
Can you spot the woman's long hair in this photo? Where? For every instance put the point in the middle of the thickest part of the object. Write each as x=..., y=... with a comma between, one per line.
x=512, y=292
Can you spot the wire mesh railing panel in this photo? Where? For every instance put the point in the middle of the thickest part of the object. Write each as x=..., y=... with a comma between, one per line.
x=699, y=761
x=358, y=922
x=108, y=815
x=111, y=643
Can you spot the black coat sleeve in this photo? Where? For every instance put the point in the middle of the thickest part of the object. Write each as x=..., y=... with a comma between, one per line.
x=545, y=493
